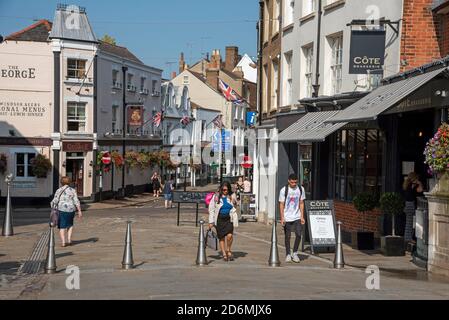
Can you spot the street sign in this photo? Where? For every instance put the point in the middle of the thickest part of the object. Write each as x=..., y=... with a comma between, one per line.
x=321, y=222
x=106, y=159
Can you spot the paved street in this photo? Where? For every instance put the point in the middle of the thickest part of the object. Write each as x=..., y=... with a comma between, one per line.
x=164, y=255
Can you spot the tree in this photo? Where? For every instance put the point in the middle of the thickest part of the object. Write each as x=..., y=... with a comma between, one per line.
x=108, y=39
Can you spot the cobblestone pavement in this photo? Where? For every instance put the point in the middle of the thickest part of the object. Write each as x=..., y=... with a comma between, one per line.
x=164, y=256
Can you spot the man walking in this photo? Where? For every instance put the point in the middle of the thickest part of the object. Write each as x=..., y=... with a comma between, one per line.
x=291, y=207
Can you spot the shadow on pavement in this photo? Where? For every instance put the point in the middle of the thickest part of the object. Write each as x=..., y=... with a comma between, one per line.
x=9, y=267
x=65, y=254
x=76, y=242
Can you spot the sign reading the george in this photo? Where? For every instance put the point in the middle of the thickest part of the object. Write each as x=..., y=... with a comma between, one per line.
x=367, y=52
x=135, y=116
x=321, y=221
x=189, y=197
x=77, y=146
x=15, y=72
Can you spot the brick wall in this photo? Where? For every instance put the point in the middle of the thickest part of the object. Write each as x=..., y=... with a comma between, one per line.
x=444, y=23
x=420, y=32
x=352, y=219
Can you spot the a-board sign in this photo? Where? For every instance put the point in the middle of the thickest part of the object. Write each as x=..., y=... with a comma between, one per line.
x=248, y=204
x=189, y=196
x=321, y=222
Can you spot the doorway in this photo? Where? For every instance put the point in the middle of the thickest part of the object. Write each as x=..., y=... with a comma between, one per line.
x=75, y=171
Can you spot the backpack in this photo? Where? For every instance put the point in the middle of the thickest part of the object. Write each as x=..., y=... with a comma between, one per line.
x=286, y=193
x=209, y=197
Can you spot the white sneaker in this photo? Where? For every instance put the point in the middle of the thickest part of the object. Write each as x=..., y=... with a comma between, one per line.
x=296, y=258
x=288, y=258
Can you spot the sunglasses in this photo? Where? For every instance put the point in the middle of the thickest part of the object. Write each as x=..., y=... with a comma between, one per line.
x=224, y=189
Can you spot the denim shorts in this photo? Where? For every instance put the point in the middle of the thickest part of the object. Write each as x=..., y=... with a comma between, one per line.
x=168, y=197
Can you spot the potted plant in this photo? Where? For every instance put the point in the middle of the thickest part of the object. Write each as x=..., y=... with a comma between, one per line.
x=3, y=163
x=391, y=203
x=41, y=165
x=364, y=240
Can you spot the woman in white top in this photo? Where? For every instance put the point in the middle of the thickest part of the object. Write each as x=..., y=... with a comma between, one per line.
x=67, y=202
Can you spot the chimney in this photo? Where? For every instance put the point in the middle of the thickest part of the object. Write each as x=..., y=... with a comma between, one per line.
x=182, y=63
x=212, y=78
x=173, y=74
x=232, y=56
x=239, y=72
x=215, y=60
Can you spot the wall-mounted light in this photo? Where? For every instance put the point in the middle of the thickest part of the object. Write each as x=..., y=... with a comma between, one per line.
x=420, y=134
x=91, y=163
x=441, y=93
x=64, y=164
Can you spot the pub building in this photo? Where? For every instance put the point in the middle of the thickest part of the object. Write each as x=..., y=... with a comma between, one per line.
x=69, y=96
x=371, y=144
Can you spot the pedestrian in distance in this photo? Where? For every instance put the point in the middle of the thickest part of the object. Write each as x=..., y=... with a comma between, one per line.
x=67, y=203
x=291, y=208
x=156, y=184
x=168, y=193
x=239, y=188
x=247, y=185
x=412, y=188
x=223, y=215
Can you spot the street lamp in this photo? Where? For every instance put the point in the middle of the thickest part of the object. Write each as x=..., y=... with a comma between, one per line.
x=7, y=222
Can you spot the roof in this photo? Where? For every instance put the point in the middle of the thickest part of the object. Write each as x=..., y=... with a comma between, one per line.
x=439, y=4
x=118, y=51
x=63, y=28
x=37, y=32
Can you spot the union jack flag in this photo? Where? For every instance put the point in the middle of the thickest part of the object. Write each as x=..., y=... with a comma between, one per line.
x=158, y=118
x=229, y=93
x=185, y=120
x=218, y=121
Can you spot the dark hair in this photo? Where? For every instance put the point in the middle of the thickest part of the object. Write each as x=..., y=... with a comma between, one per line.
x=293, y=177
x=224, y=184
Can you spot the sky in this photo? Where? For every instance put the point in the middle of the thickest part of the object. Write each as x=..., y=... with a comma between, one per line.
x=155, y=31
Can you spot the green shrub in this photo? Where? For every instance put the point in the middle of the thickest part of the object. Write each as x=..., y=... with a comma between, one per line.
x=392, y=203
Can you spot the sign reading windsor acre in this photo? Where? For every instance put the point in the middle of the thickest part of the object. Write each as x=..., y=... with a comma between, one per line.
x=22, y=109
x=367, y=52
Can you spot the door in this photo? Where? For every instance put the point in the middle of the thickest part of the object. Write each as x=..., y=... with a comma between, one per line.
x=75, y=171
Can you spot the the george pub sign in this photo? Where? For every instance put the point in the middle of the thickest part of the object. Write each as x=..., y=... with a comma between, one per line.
x=367, y=52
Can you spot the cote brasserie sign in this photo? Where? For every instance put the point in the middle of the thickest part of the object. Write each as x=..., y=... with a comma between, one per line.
x=14, y=72
x=367, y=52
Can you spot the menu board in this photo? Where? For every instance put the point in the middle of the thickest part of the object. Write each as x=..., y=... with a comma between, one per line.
x=248, y=204
x=189, y=196
x=321, y=221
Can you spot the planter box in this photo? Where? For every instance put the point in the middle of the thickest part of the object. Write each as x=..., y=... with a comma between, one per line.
x=392, y=246
x=362, y=240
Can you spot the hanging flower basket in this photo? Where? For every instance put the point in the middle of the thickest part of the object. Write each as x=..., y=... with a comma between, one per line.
x=117, y=159
x=41, y=165
x=3, y=163
x=437, y=151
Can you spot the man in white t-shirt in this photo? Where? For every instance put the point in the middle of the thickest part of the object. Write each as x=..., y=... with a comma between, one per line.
x=291, y=207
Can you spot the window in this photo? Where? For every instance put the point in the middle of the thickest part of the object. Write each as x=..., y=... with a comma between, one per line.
x=154, y=86
x=308, y=7
x=76, y=69
x=115, y=74
x=185, y=80
x=23, y=164
x=336, y=44
x=288, y=84
x=236, y=112
x=289, y=12
x=266, y=22
x=276, y=16
x=130, y=85
x=76, y=117
x=308, y=70
x=114, y=118
x=265, y=84
x=142, y=83
x=358, y=167
x=275, y=79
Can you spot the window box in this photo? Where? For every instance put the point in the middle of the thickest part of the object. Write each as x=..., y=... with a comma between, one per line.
x=155, y=94
x=144, y=91
x=117, y=85
x=131, y=88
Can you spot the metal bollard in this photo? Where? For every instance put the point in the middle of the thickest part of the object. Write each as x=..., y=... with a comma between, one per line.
x=128, y=262
x=201, y=259
x=274, y=261
x=7, y=230
x=339, y=261
x=50, y=264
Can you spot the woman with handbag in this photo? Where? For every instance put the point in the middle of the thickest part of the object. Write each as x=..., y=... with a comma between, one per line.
x=223, y=215
x=66, y=202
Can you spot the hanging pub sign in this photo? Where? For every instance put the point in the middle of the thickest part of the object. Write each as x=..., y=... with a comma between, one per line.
x=135, y=116
x=367, y=52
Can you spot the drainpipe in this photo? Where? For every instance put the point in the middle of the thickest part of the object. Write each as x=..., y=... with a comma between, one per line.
x=260, y=32
x=125, y=87
x=316, y=86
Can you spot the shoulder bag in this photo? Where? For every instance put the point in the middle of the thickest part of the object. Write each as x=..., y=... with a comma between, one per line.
x=54, y=214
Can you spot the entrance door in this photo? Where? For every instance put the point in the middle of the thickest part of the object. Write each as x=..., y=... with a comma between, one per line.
x=75, y=171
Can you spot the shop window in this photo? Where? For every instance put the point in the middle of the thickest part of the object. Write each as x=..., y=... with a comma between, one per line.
x=358, y=163
x=23, y=165
x=114, y=118
x=76, y=117
x=76, y=69
x=305, y=168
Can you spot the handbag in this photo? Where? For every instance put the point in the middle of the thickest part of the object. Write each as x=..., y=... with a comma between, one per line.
x=211, y=240
x=54, y=214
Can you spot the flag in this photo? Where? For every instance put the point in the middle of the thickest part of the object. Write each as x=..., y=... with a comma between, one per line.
x=218, y=121
x=229, y=93
x=185, y=120
x=158, y=118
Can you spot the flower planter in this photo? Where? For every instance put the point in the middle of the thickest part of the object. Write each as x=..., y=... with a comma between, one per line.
x=392, y=246
x=362, y=240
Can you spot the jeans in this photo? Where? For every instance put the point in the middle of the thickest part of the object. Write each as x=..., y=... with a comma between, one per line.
x=288, y=228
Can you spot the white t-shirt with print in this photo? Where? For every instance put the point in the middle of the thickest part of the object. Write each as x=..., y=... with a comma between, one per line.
x=292, y=212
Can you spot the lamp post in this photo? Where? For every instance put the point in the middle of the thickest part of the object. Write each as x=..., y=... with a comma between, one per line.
x=7, y=222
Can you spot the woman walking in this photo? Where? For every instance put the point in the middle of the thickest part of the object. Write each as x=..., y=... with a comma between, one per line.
x=223, y=215
x=168, y=193
x=156, y=184
x=67, y=203
x=412, y=186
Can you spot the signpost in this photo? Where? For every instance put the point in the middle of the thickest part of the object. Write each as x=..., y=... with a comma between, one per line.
x=189, y=197
x=321, y=222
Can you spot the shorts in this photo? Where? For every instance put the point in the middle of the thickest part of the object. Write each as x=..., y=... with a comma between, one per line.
x=168, y=197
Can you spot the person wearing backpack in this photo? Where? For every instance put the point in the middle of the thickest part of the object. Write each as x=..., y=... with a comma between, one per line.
x=168, y=193
x=291, y=208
